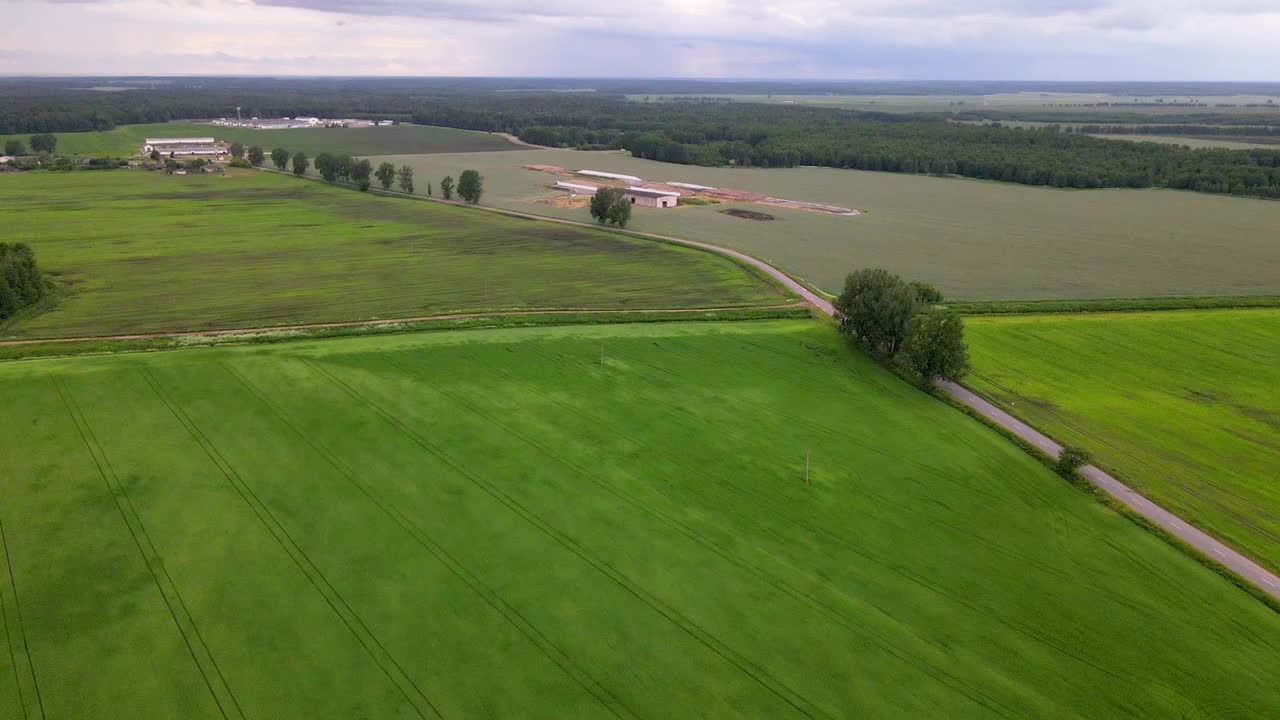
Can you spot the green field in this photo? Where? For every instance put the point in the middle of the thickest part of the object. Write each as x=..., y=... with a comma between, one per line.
x=496, y=523
x=974, y=239
x=1194, y=142
x=147, y=252
x=127, y=140
x=1184, y=406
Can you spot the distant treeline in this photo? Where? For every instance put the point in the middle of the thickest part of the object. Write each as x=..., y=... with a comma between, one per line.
x=20, y=280
x=1256, y=131
x=740, y=133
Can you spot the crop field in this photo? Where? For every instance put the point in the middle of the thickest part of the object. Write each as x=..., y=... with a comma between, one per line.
x=1184, y=406
x=575, y=522
x=127, y=140
x=973, y=239
x=144, y=252
x=1195, y=142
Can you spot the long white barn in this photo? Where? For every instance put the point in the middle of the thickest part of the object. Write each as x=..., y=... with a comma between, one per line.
x=184, y=146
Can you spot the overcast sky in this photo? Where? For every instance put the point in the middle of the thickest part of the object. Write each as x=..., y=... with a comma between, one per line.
x=827, y=39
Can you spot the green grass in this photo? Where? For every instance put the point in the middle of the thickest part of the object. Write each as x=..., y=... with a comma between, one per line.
x=493, y=523
x=1183, y=405
x=975, y=240
x=149, y=252
x=127, y=140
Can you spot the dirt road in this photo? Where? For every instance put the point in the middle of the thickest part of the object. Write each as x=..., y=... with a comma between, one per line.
x=1239, y=564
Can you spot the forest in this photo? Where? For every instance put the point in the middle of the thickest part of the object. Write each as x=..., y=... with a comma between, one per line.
x=691, y=131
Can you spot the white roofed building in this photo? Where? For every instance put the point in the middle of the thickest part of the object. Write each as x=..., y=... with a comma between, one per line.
x=184, y=146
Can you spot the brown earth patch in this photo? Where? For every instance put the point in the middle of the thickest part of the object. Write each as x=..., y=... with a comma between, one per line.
x=748, y=214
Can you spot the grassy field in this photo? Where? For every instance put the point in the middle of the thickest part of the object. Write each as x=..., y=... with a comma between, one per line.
x=147, y=252
x=974, y=239
x=495, y=523
x=1184, y=406
x=127, y=140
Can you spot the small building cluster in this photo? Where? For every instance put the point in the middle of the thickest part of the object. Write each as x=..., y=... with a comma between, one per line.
x=297, y=123
x=648, y=197
x=175, y=147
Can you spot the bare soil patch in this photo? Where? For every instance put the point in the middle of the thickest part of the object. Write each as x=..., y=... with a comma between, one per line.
x=748, y=214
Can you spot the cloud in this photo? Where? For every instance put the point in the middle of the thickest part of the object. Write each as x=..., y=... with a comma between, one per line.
x=840, y=39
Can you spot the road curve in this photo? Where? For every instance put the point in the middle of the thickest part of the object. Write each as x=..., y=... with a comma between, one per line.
x=1267, y=581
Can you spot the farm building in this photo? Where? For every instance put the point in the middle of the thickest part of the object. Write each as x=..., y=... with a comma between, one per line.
x=577, y=188
x=184, y=146
x=652, y=198
x=609, y=175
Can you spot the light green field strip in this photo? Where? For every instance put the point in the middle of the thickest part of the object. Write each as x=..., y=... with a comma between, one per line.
x=973, y=239
x=148, y=252
x=127, y=140
x=496, y=523
x=1182, y=405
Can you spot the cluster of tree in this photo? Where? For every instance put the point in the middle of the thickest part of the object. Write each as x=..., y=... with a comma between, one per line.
x=20, y=281
x=1251, y=131
x=43, y=144
x=388, y=175
x=344, y=169
x=897, y=320
x=609, y=205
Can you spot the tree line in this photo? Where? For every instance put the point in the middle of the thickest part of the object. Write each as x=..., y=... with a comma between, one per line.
x=20, y=281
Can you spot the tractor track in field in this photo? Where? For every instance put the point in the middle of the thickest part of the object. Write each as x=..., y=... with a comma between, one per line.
x=536, y=637
x=378, y=652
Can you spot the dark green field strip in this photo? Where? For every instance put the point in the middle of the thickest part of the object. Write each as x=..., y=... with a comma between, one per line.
x=496, y=523
x=1182, y=406
x=143, y=252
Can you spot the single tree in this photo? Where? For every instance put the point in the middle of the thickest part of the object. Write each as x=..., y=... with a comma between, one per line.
x=256, y=156
x=280, y=158
x=406, y=179
x=620, y=211
x=601, y=202
x=14, y=147
x=935, y=345
x=876, y=306
x=446, y=187
x=428, y=189
x=155, y=155
x=362, y=184
x=470, y=186
x=386, y=175
x=300, y=164
x=926, y=293
x=1071, y=459
x=237, y=150
x=326, y=167
x=44, y=143
x=360, y=172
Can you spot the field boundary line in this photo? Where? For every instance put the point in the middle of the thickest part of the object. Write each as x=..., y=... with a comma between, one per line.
x=445, y=558
x=390, y=321
x=132, y=517
x=1201, y=541
x=295, y=552
x=671, y=614
x=8, y=633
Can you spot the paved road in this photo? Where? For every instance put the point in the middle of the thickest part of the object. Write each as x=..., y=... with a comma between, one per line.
x=1239, y=564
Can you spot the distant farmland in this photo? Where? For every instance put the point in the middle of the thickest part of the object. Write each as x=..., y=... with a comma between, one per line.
x=147, y=252
x=498, y=523
x=127, y=140
x=974, y=239
x=1184, y=406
